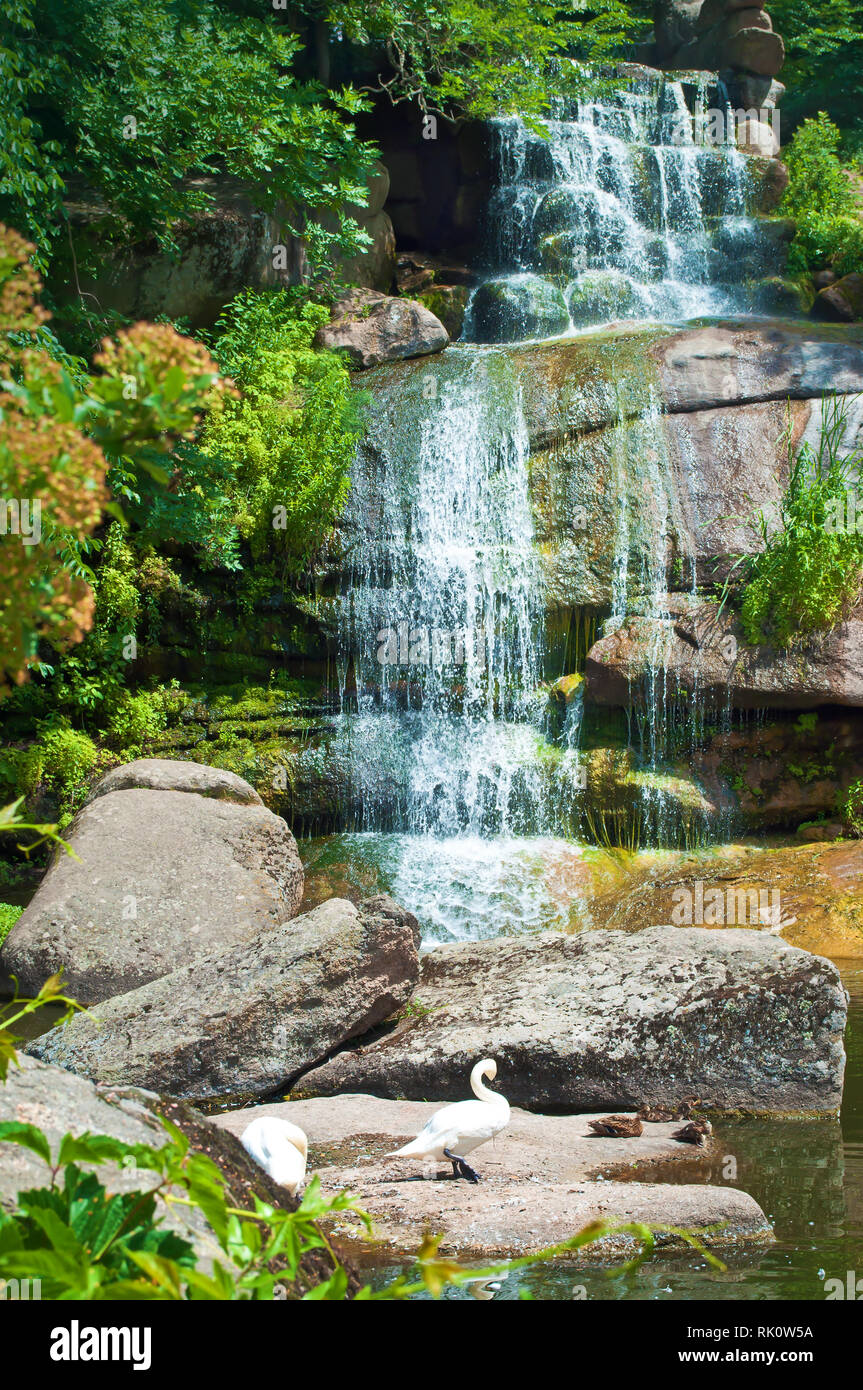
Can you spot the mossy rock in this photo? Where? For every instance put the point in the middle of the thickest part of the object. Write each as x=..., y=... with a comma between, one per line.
x=447, y=303
x=600, y=296
x=518, y=307
x=787, y=298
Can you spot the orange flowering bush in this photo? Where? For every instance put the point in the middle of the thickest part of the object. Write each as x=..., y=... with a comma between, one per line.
x=56, y=442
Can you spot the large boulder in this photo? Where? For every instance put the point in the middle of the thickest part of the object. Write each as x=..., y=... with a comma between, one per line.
x=841, y=301
x=371, y=328
x=59, y=1103
x=247, y=1019
x=168, y=775
x=704, y=651
x=607, y=1020
x=518, y=307
x=159, y=877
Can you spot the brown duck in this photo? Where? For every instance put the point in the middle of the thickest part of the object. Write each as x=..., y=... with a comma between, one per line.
x=617, y=1126
x=695, y=1132
x=662, y=1114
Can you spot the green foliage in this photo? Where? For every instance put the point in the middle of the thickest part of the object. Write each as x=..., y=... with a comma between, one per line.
x=135, y=720
x=12, y=1012
x=63, y=760
x=291, y=435
x=9, y=914
x=850, y=807
x=808, y=575
x=824, y=60
x=821, y=198
x=488, y=57
x=138, y=101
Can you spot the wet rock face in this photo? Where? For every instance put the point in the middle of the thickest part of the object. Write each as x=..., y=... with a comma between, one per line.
x=371, y=328
x=704, y=651
x=815, y=891
x=161, y=877
x=243, y=1020
x=524, y=306
x=607, y=1020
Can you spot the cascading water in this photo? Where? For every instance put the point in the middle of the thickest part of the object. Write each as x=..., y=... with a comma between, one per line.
x=622, y=211
x=464, y=794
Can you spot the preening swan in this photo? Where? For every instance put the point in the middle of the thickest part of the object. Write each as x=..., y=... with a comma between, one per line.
x=280, y=1148
x=454, y=1131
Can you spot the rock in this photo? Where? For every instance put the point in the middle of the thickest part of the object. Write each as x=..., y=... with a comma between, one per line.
x=817, y=890
x=757, y=137
x=448, y=303
x=713, y=12
x=246, y=1019
x=841, y=301
x=820, y=832
x=537, y=1185
x=784, y=297
x=750, y=18
x=59, y=1103
x=822, y=278
x=722, y=365
x=518, y=307
x=372, y=328
x=774, y=772
x=600, y=296
x=706, y=650
x=768, y=180
x=604, y=1020
x=675, y=23
x=749, y=92
x=166, y=775
x=375, y=267
x=160, y=878
x=755, y=50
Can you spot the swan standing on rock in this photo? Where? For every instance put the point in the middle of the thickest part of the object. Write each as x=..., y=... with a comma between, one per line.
x=454, y=1131
x=280, y=1148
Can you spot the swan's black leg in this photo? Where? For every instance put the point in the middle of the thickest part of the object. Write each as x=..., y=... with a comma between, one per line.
x=460, y=1168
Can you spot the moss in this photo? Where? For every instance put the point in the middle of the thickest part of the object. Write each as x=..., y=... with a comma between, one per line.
x=9, y=914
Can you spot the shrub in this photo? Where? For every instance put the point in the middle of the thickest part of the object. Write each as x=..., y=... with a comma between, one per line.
x=820, y=197
x=61, y=759
x=292, y=433
x=850, y=808
x=807, y=577
x=136, y=719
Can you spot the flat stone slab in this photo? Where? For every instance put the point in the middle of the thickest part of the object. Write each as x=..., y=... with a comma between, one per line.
x=605, y=1020
x=542, y=1180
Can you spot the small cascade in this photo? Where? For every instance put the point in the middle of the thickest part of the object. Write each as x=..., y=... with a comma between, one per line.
x=442, y=617
x=624, y=212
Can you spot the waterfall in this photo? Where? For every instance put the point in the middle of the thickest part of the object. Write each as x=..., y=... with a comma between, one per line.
x=623, y=208
x=443, y=612
x=470, y=791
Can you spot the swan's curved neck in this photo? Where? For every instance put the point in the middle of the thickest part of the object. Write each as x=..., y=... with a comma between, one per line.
x=480, y=1090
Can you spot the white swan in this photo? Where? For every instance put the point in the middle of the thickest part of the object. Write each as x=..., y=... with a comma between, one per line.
x=280, y=1148
x=454, y=1131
